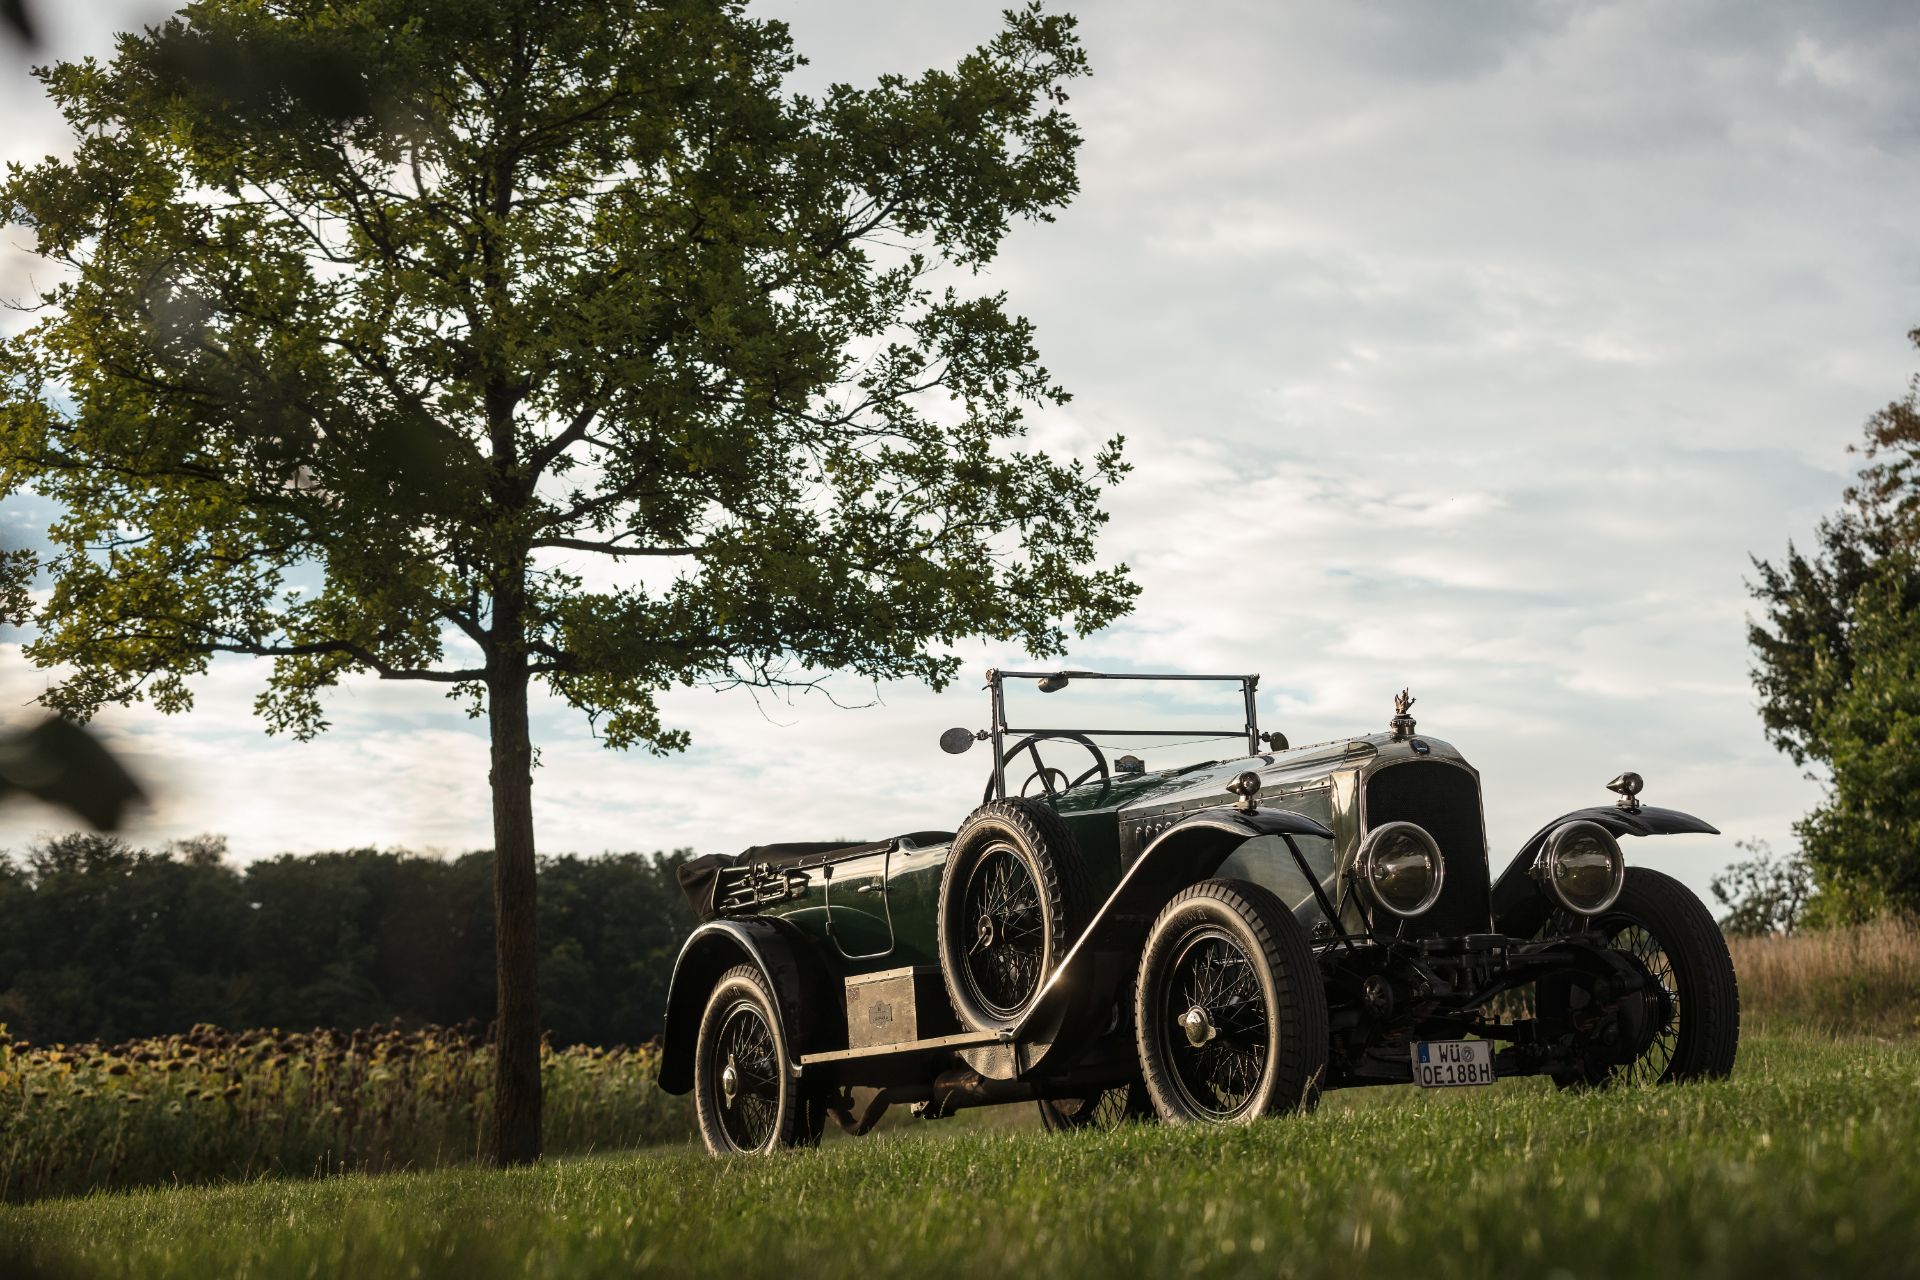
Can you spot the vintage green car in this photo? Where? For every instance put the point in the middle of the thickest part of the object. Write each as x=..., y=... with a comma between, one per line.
x=1210, y=943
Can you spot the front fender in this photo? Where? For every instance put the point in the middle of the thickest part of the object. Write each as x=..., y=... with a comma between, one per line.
x=1519, y=908
x=792, y=972
x=1109, y=948
x=1193, y=849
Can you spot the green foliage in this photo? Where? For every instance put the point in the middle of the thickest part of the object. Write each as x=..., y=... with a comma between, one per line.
x=1801, y=1165
x=386, y=319
x=214, y=1106
x=1763, y=893
x=106, y=942
x=1867, y=833
x=1837, y=666
x=1803, y=645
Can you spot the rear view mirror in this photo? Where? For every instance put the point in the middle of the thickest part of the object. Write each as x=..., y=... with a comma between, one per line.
x=956, y=742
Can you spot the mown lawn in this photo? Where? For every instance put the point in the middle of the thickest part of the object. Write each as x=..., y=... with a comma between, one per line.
x=1807, y=1163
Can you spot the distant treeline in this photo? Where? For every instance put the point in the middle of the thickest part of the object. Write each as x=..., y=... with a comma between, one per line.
x=105, y=942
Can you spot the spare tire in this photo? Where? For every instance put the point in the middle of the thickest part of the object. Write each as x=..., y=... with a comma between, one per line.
x=1013, y=898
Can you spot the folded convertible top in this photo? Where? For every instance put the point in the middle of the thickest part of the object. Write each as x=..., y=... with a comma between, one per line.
x=700, y=878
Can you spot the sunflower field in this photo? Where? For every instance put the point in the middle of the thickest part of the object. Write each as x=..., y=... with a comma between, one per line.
x=214, y=1105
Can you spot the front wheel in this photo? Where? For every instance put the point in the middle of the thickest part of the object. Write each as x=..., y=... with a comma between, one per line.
x=1662, y=924
x=745, y=1099
x=1230, y=1015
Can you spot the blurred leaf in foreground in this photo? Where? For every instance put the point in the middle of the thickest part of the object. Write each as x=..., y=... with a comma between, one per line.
x=18, y=22
x=62, y=764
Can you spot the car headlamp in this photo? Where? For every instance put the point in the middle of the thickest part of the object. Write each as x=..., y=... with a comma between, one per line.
x=1401, y=867
x=1582, y=867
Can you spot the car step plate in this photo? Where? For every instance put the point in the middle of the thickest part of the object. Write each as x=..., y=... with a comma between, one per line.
x=1450, y=1064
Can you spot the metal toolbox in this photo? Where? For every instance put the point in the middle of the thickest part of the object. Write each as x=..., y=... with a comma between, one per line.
x=897, y=1005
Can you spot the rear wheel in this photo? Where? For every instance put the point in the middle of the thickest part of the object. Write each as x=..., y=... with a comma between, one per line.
x=1230, y=1016
x=1662, y=924
x=1098, y=1109
x=744, y=1098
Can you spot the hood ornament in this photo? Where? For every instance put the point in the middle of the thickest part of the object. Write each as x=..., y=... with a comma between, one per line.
x=1247, y=787
x=1402, y=723
x=1628, y=786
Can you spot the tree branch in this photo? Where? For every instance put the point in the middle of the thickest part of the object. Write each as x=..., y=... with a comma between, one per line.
x=354, y=651
x=613, y=549
x=576, y=431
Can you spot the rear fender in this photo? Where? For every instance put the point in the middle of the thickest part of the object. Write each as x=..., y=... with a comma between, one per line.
x=796, y=977
x=1108, y=950
x=1520, y=908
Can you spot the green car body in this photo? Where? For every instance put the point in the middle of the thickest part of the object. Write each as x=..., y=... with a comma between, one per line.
x=876, y=910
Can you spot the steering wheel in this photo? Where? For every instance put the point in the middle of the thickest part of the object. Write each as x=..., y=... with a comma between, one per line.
x=1052, y=781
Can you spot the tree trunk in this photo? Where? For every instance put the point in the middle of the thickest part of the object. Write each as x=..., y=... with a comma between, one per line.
x=515, y=1137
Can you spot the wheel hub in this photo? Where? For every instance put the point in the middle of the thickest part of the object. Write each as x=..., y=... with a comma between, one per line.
x=1663, y=1007
x=987, y=934
x=1198, y=1026
x=729, y=1081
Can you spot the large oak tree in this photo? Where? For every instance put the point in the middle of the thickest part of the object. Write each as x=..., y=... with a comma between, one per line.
x=497, y=343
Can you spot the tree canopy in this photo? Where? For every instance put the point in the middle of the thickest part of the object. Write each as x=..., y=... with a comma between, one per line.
x=546, y=283
x=1837, y=666
x=499, y=342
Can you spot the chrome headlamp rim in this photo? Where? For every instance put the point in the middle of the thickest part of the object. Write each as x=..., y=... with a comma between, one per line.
x=1558, y=842
x=1370, y=847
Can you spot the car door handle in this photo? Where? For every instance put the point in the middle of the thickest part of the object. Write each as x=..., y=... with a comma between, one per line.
x=870, y=887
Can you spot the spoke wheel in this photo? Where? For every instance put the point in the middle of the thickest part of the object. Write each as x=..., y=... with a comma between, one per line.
x=1005, y=960
x=745, y=1099
x=1102, y=1109
x=1013, y=896
x=749, y=1083
x=1658, y=921
x=1230, y=1013
x=1656, y=1060
x=1213, y=1021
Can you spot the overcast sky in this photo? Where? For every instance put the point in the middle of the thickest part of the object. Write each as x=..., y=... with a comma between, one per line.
x=1466, y=347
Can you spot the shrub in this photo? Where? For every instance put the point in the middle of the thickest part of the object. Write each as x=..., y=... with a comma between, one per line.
x=1764, y=893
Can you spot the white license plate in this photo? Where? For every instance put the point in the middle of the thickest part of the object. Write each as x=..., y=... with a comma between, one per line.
x=1447, y=1064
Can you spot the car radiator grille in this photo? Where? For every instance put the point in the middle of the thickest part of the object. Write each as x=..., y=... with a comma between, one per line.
x=1445, y=799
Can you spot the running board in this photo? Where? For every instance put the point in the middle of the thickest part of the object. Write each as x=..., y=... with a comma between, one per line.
x=965, y=1040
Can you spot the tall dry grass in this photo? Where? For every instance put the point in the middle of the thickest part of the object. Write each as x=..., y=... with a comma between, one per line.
x=215, y=1105
x=1863, y=980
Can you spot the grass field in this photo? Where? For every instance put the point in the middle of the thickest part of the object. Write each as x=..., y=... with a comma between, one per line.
x=1806, y=1163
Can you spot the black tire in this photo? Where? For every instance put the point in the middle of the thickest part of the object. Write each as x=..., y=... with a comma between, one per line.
x=1013, y=897
x=1659, y=920
x=1098, y=1109
x=761, y=1108
x=1232, y=954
